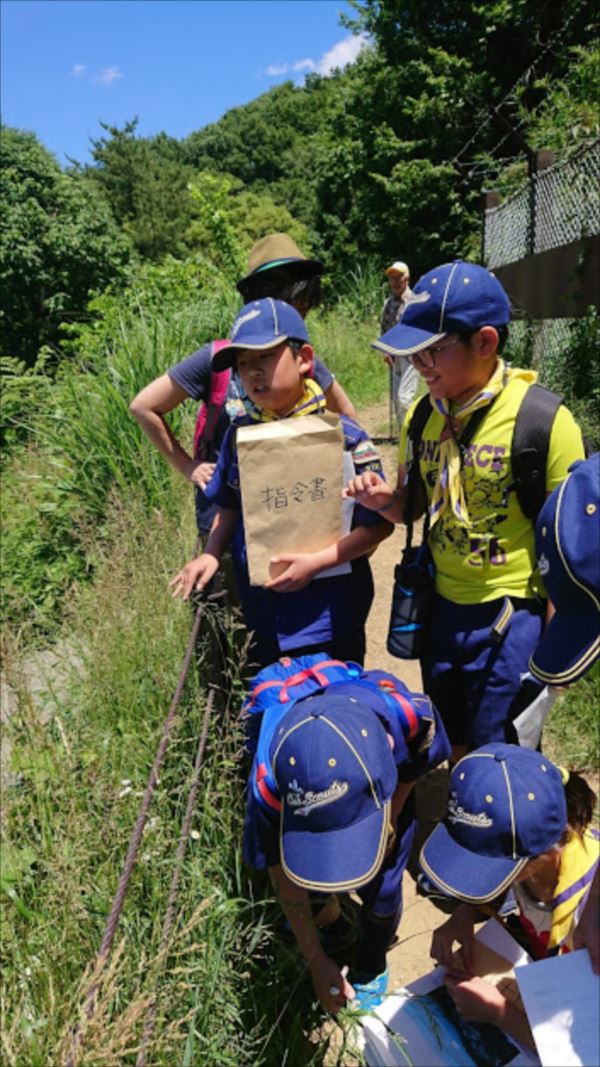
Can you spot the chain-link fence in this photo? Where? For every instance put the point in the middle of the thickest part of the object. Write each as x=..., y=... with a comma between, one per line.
x=555, y=207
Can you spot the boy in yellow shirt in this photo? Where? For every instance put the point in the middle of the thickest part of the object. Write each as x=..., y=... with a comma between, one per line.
x=490, y=606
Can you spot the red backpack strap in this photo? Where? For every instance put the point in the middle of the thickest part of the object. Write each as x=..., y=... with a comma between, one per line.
x=411, y=717
x=285, y=684
x=316, y=672
x=263, y=788
x=209, y=411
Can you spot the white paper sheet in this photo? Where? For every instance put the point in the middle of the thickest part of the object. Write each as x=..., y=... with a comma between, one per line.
x=399, y=1032
x=562, y=998
x=530, y=723
x=347, y=513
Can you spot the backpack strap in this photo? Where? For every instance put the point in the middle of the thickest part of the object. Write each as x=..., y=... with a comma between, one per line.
x=313, y=672
x=415, y=490
x=530, y=446
x=208, y=414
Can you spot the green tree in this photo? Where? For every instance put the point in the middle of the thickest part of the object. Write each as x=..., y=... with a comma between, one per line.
x=146, y=184
x=59, y=243
x=228, y=219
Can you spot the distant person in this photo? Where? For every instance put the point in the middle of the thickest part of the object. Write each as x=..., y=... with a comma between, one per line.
x=405, y=380
x=514, y=821
x=292, y=614
x=490, y=605
x=330, y=810
x=276, y=268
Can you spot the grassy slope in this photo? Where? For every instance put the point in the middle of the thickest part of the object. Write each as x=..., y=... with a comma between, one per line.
x=77, y=784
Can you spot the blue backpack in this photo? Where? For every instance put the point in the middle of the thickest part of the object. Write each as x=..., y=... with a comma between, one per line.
x=282, y=684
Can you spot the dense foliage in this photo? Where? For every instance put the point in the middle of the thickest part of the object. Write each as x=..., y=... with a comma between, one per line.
x=59, y=242
x=386, y=158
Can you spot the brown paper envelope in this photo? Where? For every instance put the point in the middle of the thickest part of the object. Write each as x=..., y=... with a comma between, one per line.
x=291, y=487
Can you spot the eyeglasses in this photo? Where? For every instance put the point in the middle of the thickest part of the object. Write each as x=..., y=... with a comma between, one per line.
x=427, y=356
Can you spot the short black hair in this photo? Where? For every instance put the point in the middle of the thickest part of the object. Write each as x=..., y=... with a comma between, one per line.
x=502, y=332
x=282, y=284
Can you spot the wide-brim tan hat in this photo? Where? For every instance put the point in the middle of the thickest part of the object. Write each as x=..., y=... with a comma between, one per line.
x=278, y=250
x=398, y=268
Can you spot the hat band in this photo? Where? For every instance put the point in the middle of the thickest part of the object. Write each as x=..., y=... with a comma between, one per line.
x=277, y=263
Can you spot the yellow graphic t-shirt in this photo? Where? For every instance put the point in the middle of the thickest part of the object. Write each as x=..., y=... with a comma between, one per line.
x=494, y=556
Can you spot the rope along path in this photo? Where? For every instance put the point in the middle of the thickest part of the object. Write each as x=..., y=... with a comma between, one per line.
x=89, y=1000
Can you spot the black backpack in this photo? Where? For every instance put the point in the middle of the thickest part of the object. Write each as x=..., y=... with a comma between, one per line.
x=528, y=454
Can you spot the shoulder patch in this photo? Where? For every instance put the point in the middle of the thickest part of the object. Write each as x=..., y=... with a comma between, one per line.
x=365, y=452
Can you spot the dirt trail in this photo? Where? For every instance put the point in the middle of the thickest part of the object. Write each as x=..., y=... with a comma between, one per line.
x=410, y=958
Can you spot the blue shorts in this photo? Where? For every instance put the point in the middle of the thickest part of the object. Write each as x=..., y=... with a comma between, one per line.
x=476, y=654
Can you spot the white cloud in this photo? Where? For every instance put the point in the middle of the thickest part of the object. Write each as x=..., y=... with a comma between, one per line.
x=276, y=70
x=342, y=53
x=339, y=55
x=78, y=70
x=108, y=75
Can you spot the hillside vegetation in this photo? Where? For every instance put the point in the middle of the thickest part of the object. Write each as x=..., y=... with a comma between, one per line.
x=111, y=272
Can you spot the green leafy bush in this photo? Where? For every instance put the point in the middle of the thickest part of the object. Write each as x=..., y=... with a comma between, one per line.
x=574, y=372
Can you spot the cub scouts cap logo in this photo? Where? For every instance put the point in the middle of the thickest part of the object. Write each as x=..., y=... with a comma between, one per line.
x=506, y=805
x=262, y=324
x=336, y=775
x=453, y=298
x=567, y=538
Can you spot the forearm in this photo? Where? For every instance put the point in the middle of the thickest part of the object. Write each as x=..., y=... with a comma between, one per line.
x=393, y=509
x=338, y=400
x=295, y=904
x=359, y=542
x=513, y=1021
x=221, y=532
x=158, y=431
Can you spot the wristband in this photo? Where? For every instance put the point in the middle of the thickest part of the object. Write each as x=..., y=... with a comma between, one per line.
x=386, y=507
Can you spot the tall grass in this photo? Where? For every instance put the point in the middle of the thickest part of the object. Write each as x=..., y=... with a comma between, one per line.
x=83, y=444
x=572, y=734
x=225, y=995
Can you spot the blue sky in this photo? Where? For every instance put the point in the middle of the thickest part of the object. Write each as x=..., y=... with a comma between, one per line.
x=178, y=65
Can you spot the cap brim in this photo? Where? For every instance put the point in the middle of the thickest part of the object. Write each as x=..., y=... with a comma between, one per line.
x=306, y=268
x=337, y=860
x=225, y=357
x=566, y=650
x=404, y=340
x=458, y=872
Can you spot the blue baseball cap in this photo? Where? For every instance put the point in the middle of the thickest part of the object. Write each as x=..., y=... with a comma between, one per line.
x=261, y=324
x=507, y=804
x=336, y=775
x=567, y=538
x=453, y=298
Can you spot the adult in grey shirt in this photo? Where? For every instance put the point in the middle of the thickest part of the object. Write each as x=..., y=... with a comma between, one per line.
x=405, y=378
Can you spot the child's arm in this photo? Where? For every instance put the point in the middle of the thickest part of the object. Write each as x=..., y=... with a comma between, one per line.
x=459, y=927
x=303, y=566
x=198, y=572
x=479, y=1001
x=325, y=973
x=374, y=493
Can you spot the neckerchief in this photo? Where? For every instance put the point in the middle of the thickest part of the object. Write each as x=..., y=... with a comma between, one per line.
x=578, y=864
x=448, y=488
x=312, y=402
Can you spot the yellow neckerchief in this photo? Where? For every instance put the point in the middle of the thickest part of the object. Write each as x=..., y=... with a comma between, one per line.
x=448, y=488
x=578, y=861
x=312, y=402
